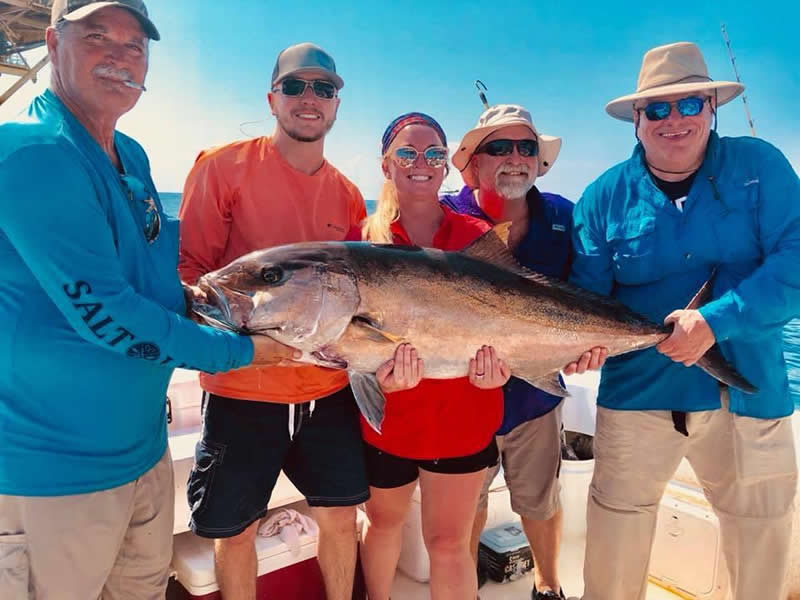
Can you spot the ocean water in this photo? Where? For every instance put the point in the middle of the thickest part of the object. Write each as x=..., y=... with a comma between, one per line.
x=791, y=351
x=791, y=333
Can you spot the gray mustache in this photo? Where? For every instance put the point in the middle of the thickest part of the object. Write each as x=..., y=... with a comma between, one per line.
x=112, y=72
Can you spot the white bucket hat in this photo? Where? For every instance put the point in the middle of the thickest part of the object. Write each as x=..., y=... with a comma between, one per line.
x=495, y=118
x=672, y=69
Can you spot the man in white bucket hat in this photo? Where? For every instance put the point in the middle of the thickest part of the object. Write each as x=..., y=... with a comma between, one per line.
x=500, y=160
x=687, y=207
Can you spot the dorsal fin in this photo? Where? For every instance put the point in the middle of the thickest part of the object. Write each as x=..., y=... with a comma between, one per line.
x=492, y=247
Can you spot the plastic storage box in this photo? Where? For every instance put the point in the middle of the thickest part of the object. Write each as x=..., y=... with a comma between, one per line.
x=505, y=553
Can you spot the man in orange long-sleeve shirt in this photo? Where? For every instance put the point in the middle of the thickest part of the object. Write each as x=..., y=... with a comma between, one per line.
x=242, y=197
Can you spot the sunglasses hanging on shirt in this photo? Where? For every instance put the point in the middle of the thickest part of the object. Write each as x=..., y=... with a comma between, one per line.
x=143, y=204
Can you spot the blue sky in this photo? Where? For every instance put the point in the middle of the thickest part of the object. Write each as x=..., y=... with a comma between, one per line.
x=563, y=61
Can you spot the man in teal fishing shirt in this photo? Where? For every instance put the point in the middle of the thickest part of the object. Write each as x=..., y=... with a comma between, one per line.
x=93, y=326
x=687, y=207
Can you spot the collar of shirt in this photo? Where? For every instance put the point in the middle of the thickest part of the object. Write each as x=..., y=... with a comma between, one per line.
x=400, y=235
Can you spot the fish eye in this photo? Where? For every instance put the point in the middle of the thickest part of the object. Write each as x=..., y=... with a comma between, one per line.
x=271, y=275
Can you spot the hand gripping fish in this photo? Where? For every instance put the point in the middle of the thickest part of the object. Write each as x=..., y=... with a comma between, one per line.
x=347, y=305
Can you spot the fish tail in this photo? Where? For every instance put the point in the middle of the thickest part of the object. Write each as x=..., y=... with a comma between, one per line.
x=715, y=364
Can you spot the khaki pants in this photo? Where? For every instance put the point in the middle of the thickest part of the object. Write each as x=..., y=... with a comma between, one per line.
x=748, y=472
x=112, y=544
x=531, y=458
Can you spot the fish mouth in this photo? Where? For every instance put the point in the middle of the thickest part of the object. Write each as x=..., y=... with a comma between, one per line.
x=216, y=311
x=229, y=309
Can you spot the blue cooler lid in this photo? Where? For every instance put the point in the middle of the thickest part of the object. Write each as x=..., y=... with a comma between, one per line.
x=505, y=538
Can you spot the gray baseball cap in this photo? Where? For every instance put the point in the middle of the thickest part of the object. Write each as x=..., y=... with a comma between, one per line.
x=75, y=10
x=305, y=59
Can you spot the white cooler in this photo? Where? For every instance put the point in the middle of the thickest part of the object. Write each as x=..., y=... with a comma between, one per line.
x=193, y=564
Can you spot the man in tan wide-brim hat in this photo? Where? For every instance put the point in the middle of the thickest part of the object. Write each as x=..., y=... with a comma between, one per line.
x=687, y=207
x=500, y=160
x=673, y=69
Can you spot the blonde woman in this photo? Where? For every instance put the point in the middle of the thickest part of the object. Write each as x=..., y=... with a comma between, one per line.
x=440, y=432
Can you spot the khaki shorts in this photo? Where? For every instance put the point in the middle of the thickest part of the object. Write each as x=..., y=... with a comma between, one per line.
x=115, y=543
x=531, y=458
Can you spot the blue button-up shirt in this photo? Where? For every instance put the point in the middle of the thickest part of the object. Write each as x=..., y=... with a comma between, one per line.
x=742, y=216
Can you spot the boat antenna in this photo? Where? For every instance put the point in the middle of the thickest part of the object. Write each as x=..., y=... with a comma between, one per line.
x=738, y=80
x=481, y=89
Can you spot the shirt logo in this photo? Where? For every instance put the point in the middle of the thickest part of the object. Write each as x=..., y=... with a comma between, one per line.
x=559, y=227
x=145, y=350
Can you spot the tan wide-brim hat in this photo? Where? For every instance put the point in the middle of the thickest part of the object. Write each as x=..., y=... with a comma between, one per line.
x=499, y=117
x=676, y=68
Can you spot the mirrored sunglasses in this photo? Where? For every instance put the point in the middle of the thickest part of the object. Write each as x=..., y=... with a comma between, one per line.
x=526, y=148
x=435, y=156
x=144, y=208
x=687, y=107
x=297, y=87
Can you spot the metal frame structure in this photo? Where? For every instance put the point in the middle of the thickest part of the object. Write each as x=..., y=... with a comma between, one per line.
x=22, y=27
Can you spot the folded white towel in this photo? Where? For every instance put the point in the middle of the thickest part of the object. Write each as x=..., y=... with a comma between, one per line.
x=289, y=525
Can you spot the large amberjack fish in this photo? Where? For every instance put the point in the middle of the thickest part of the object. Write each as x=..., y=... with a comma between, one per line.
x=347, y=305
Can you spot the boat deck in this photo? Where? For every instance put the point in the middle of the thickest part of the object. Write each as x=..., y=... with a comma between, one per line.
x=570, y=568
x=579, y=414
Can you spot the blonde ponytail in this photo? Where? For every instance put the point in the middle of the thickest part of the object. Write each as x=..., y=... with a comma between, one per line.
x=377, y=227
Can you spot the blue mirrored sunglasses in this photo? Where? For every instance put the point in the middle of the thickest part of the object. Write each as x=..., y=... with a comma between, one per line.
x=435, y=156
x=140, y=200
x=687, y=107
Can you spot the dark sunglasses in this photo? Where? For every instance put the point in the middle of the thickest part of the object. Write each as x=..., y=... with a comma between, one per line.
x=140, y=199
x=435, y=156
x=687, y=107
x=526, y=148
x=297, y=87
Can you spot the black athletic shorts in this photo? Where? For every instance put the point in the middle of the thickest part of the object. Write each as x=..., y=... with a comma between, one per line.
x=246, y=444
x=386, y=470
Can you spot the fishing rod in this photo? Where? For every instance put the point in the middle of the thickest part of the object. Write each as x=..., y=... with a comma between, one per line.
x=738, y=80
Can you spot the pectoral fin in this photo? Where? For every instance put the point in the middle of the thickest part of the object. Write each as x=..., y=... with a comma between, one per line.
x=369, y=397
x=370, y=330
x=550, y=383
